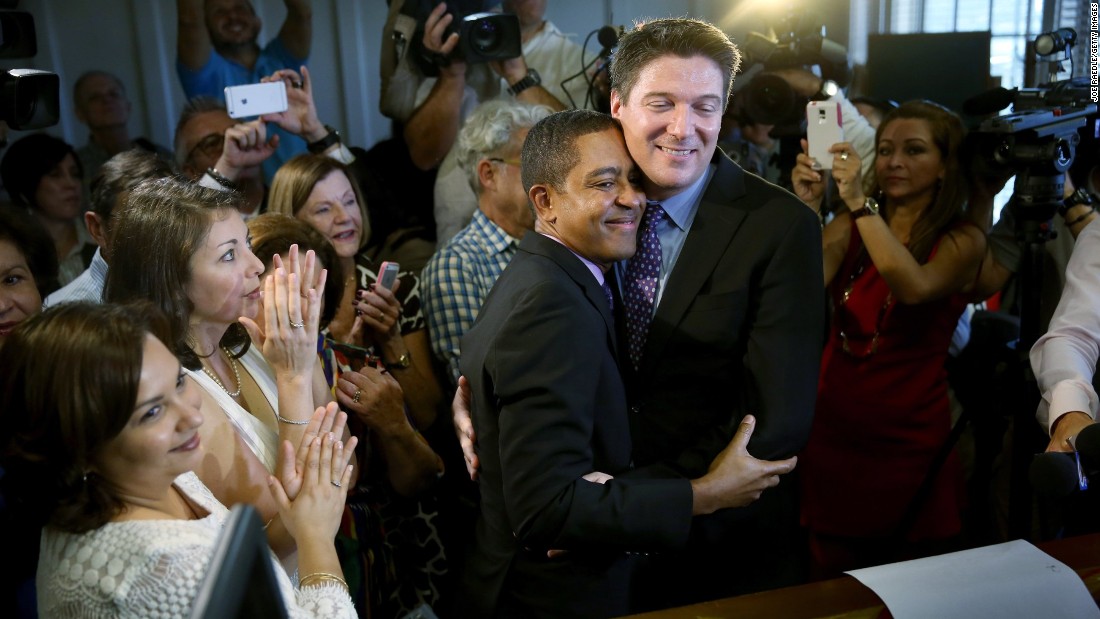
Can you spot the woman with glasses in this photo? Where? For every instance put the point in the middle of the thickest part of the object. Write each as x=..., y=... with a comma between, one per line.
x=899, y=267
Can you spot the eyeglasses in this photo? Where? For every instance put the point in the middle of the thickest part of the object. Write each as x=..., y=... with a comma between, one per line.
x=211, y=146
x=515, y=162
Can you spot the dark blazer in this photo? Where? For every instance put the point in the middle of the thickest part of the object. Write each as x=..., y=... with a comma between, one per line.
x=739, y=329
x=549, y=406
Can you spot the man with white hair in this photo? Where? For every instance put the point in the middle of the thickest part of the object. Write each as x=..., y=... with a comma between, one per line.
x=459, y=276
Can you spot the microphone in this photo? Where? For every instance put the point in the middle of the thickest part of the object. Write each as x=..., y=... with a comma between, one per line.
x=990, y=101
x=1056, y=474
x=608, y=36
x=1087, y=443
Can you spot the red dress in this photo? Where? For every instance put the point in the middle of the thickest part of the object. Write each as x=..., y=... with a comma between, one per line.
x=882, y=411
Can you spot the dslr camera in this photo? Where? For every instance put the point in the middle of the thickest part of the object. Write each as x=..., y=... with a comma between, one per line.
x=482, y=36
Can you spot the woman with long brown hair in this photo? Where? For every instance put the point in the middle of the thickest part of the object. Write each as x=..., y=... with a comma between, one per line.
x=100, y=435
x=899, y=267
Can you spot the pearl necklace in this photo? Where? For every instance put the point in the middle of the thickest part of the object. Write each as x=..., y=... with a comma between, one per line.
x=236, y=374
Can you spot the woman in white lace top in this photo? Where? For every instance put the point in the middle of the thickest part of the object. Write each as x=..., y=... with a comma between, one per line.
x=100, y=435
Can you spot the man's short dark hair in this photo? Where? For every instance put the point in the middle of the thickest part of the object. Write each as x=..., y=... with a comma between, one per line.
x=550, y=152
x=122, y=173
x=681, y=37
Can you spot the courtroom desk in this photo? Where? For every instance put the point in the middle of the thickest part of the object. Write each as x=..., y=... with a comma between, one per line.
x=847, y=598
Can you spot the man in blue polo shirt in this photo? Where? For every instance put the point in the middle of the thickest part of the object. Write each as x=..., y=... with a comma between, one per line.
x=217, y=47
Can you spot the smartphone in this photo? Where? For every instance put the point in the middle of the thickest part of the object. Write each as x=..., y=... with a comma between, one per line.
x=255, y=99
x=387, y=274
x=823, y=129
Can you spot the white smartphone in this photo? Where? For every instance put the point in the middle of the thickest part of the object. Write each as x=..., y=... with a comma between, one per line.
x=387, y=274
x=823, y=129
x=255, y=99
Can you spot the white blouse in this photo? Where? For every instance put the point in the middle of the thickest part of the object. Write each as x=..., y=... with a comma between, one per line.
x=153, y=568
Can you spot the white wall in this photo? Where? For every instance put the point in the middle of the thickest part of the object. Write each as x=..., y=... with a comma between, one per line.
x=135, y=39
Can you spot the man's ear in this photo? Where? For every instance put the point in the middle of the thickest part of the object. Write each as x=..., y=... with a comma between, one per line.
x=540, y=197
x=96, y=228
x=486, y=174
x=616, y=104
x=79, y=111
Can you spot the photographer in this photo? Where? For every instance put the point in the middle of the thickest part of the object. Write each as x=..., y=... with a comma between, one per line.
x=444, y=103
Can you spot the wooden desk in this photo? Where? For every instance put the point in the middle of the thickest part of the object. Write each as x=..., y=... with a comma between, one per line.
x=847, y=598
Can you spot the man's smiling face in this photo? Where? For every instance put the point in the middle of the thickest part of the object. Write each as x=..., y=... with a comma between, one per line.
x=671, y=121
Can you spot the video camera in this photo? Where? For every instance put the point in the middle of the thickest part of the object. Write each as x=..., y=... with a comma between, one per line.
x=796, y=41
x=1038, y=141
x=29, y=98
x=482, y=36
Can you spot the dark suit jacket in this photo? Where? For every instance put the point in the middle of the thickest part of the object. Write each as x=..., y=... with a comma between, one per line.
x=739, y=330
x=549, y=406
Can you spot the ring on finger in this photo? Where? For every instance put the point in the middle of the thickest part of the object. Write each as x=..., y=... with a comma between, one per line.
x=296, y=84
x=335, y=483
x=357, y=395
x=298, y=325
x=844, y=156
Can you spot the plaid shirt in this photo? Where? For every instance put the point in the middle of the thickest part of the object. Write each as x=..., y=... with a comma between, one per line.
x=457, y=280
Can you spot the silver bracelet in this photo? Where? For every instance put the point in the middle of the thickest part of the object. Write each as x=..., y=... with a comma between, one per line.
x=290, y=421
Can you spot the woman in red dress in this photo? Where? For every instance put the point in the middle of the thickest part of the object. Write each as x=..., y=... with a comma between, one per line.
x=899, y=268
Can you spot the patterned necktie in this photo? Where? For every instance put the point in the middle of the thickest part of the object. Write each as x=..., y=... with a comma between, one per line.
x=640, y=287
x=607, y=291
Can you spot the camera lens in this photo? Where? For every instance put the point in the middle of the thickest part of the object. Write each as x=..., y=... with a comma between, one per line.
x=485, y=36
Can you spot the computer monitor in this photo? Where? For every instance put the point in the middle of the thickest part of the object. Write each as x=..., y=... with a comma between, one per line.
x=240, y=581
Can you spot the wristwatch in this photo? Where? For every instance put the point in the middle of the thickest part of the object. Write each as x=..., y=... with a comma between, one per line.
x=870, y=207
x=531, y=79
x=1077, y=198
x=403, y=362
x=320, y=146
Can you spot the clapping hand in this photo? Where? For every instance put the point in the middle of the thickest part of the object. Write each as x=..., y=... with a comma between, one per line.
x=322, y=475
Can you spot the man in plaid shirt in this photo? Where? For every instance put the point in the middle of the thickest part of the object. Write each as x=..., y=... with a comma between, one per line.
x=460, y=275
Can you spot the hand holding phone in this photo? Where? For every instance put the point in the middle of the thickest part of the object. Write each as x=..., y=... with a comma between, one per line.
x=823, y=129
x=387, y=274
x=255, y=99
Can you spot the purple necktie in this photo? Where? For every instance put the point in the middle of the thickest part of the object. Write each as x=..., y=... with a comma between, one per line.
x=607, y=291
x=640, y=287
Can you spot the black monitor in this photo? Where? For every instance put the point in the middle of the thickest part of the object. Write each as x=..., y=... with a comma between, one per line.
x=240, y=580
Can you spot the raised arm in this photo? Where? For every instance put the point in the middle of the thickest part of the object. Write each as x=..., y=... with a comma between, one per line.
x=433, y=126
x=953, y=269
x=193, y=44
x=297, y=31
x=513, y=71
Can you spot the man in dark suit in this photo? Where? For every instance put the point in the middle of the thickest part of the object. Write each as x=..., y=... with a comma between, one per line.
x=551, y=408
x=738, y=319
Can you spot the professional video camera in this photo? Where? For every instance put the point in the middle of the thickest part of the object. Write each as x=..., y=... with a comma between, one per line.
x=482, y=36
x=1038, y=141
x=29, y=98
x=796, y=41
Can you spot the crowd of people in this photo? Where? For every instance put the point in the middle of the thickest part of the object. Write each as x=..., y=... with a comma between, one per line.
x=616, y=371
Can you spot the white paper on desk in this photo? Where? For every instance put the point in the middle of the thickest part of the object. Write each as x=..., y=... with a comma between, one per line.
x=1007, y=581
